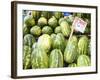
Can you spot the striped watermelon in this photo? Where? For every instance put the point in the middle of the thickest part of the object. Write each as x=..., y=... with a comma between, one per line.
x=52, y=22
x=72, y=65
x=56, y=59
x=58, y=14
x=59, y=42
x=39, y=58
x=83, y=60
x=45, y=42
x=36, y=14
x=70, y=53
x=29, y=40
x=27, y=57
x=65, y=28
x=83, y=45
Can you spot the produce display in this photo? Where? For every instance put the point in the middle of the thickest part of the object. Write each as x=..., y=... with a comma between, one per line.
x=47, y=42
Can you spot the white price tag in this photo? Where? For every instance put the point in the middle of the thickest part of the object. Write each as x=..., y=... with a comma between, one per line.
x=79, y=24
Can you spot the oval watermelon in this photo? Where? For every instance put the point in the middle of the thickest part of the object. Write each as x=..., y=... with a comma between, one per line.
x=56, y=59
x=71, y=53
x=39, y=58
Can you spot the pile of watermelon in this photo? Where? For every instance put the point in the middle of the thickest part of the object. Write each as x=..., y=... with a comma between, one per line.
x=46, y=42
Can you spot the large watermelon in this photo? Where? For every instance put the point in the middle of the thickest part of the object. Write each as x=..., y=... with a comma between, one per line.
x=59, y=42
x=27, y=57
x=45, y=42
x=39, y=58
x=83, y=60
x=65, y=28
x=83, y=45
x=56, y=59
x=70, y=53
x=29, y=40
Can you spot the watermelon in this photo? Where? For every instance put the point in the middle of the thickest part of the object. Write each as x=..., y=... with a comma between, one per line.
x=61, y=19
x=45, y=42
x=27, y=57
x=65, y=28
x=58, y=15
x=46, y=14
x=29, y=40
x=36, y=14
x=34, y=46
x=53, y=22
x=83, y=45
x=56, y=59
x=57, y=29
x=25, y=30
x=36, y=30
x=59, y=42
x=42, y=21
x=47, y=30
x=53, y=36
x=72, y=65
x=39, y=59
x=83, y=60
x=71, y=53
x=29, y=21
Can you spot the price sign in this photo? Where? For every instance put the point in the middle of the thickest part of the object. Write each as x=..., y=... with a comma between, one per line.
x=79, y=25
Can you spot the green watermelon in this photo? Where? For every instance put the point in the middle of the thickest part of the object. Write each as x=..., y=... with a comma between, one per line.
x=58, y=15
x=56, y=59
x=42, y=21
x=65, y=28
x=61, y=19
x=71, y=53
x=72, y=65
x=36, y=30
x=70, y=19
x=36, y=14
x=46, y=14
x=52, y=22
x=25, y=30
x=39, y=58
x=29, y=40
x=47, y=30
x=83, y=45
x=57, y=29
x=59, y=42
x=45, y=42
x=83, y=60
x=53, y=36
x=29, y=21
x=27, y=57
x=34, y=46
